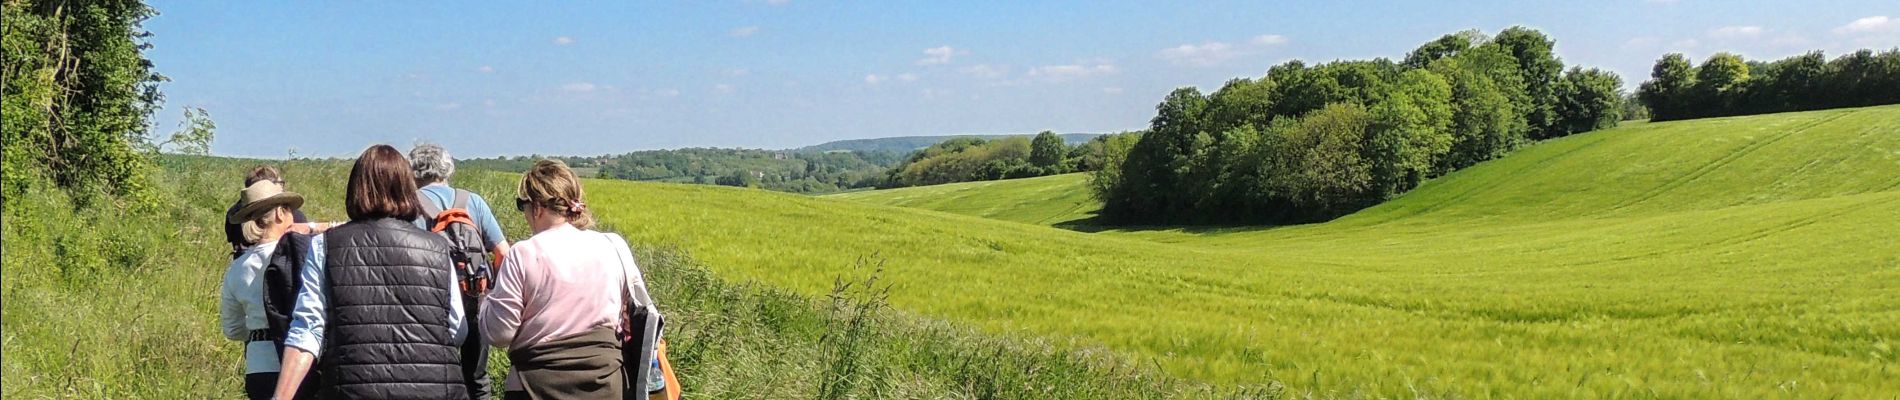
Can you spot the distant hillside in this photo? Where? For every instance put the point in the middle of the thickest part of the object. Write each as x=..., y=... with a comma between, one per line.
x=912, y=143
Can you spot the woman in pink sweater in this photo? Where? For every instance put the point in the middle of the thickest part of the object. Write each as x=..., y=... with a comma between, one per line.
x=559, y=296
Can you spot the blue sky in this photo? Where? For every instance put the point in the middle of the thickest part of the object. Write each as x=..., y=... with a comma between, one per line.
x=329, y=78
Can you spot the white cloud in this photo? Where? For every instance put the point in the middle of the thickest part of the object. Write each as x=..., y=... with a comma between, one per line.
x=1735, y=32
x=940, y=55
x=722, y=88
x=907, y=77
x=985, y=71
x=451, y=106
x=1059, y=73
x=738, y=72
x=743, y=31
x=1877, y=23
x=874, y=79
x=490, y=103
x=1269, y=40
x=1112, y=90
x=1684, y=44
x=579, y=87
x=563, y=40
x=485, y=69
x=1205, y=54
x=663, y=92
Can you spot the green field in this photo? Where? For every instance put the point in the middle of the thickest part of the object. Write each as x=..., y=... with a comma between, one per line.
x=1060, y=200
x=1730, y=257
x=1744, y=257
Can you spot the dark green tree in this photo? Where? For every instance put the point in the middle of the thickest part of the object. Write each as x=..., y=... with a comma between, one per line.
x=1541, y=70
x=1588, y=99
x=1047, y=151
x=78, y=93
x=1667, y=91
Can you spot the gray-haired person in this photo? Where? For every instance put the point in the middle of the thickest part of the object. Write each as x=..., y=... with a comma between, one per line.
x=477, y=239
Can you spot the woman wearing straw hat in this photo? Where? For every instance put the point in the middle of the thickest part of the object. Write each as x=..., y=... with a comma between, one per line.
x=266, y=212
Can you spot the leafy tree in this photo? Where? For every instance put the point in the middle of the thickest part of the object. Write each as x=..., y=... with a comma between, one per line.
x=1540, y=69
x=78, y=94
x=1158, y=161
x=1718, y=83
x=1113, y=151
x=1047, y=150
x=1410, y=132
x=1486, y=96
x=1666, y=93
x=1588, y=99
x=1445, y=46
x=194, y=134
x=1317, y=163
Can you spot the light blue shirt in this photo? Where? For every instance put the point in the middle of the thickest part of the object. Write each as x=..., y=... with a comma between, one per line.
x=444, y=196
x=307, y=319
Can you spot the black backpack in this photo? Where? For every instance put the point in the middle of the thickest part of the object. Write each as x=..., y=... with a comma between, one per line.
x=283, y=278
x=466, y=249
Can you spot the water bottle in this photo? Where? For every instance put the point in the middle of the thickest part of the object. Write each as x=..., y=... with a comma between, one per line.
x=656, y=380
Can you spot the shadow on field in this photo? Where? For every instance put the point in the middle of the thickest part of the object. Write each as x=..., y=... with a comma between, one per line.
x=1096, y=223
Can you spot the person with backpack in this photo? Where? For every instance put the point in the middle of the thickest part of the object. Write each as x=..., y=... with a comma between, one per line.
x=561, y=300
x=475, y=239
x=380, y=303
x=265, y=213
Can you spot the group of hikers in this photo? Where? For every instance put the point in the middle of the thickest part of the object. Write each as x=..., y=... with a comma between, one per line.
x=403, y=300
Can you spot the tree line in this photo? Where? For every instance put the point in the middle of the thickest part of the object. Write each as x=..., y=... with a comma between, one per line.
x=967, y=159
x=79, y=95
x=1725, y=84
x=1308, y=143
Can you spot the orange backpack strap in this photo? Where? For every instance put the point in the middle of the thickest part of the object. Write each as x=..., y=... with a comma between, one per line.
x=450, y=217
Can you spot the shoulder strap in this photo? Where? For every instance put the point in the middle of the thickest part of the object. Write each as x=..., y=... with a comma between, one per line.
x=461, y=199
x=429, y=209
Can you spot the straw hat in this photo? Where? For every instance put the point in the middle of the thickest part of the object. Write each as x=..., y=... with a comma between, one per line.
x=260, y=197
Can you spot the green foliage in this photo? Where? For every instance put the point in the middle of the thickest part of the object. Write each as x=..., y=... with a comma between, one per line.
x=786, y=171
x=1486, y=99
x=1445, y=46
x=1316, y=163
x=1726, y=84
x=194, y=134
x=78, y=93
x=1411, y=131
x=1588, y=100
x=1047, y=151
x=965, y=159
x=1739, y=257
x=1540, y=70
x=1235, y=156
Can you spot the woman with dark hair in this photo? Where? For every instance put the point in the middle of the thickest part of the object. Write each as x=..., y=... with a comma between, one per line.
x=380, y=301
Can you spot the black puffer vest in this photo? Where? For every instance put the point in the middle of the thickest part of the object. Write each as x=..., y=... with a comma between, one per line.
x=388, y=333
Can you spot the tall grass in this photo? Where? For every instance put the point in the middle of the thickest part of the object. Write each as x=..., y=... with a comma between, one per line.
x=115, y=301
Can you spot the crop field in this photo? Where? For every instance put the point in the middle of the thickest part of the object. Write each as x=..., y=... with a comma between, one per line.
x=1747, y=257
x=1060, y=200
x=1732, y=257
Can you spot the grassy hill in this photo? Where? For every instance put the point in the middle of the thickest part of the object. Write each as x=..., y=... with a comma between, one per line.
x=1731, y=257
x=1059, y=200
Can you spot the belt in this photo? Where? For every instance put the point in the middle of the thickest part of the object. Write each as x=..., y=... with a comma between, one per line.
x=260, y=335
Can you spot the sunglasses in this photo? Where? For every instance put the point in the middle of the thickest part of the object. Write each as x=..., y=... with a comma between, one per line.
x=521, y=204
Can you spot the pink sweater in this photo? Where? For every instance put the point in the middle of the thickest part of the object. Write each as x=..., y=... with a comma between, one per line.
x=561, y=282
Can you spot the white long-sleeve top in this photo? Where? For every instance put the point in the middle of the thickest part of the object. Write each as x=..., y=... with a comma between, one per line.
x=241, y=307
